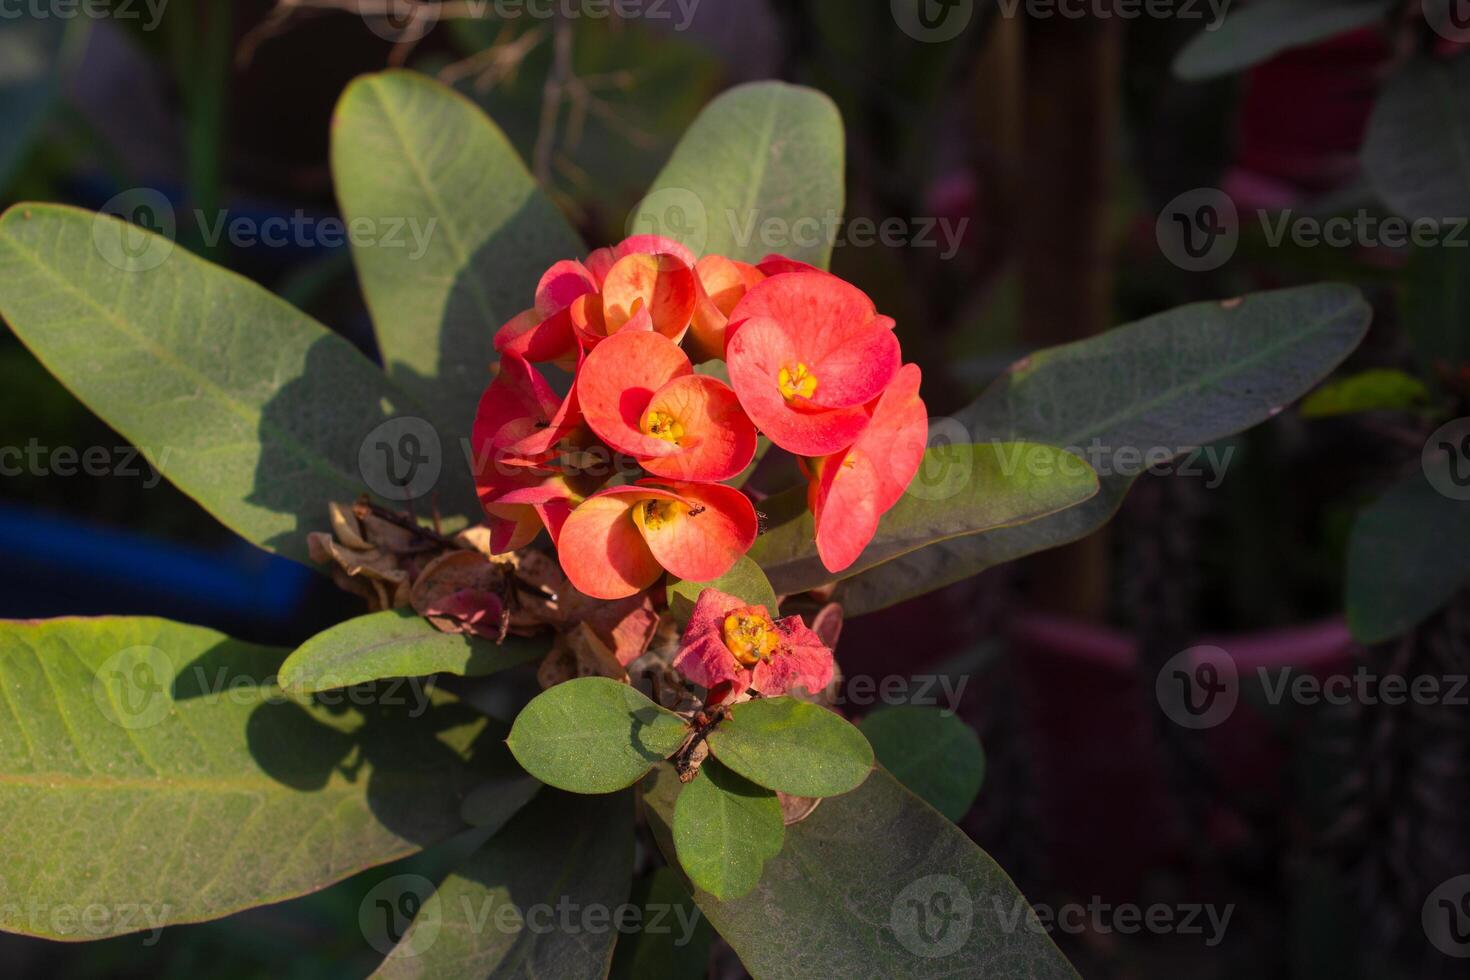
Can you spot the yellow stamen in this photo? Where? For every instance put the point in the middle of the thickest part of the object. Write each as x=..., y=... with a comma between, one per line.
x=750, y=635
x=796, y=382
x=662, y=425
x=651, y=515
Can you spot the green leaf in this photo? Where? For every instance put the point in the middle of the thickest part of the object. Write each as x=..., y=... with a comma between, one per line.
x=874, y=884
x=793, y=746
x=932, y=752
x=503, y=912
x=154, y=770
x=503, y=788
x=760, y=171
x=1367, y=391
x=959, y=490
x=744, y=581
x=593, y=735
x=1416, y=152
x=396, y=643
x=250, y=407
x=725, y=829
x=1408, y=555
x=1251, y=34
x=1167, y=384
x=678, y=949
x=409, y=151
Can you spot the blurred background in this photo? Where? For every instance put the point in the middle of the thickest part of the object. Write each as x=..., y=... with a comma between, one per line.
x=1014, y=172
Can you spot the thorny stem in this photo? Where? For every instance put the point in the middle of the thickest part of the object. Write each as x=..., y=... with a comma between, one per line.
x=684, y=759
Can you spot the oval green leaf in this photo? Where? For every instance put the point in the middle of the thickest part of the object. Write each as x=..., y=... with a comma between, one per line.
x=933, y=753
x=396, y=643
x=474, y=234
x=792, y=746
x=744, y=580
x=725, y=830
x=1415, y=149
x=593, y=735
x=760, y=171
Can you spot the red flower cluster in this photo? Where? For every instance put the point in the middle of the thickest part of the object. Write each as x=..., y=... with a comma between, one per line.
x=811, y=364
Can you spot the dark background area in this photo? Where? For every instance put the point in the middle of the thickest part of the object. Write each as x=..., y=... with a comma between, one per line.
x=1053, y=144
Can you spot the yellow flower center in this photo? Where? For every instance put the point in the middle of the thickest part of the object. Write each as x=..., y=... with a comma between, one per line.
x=654, y=514
x=662, y=425
x=750, y=635
x=796, y=382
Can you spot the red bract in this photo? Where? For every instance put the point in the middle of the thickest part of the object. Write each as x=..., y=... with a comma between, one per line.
x=728, y=641
x=806, y=353
x=645, y=283
x=545, y=332
x=722, y=285
x=619, y=541
x=640, y=394
x=850, y=490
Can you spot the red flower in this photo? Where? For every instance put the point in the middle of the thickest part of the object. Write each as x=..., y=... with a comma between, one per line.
x=850, y=490
x=619, y=541
x=640, y=394
x=728, y=641
x=806, y=353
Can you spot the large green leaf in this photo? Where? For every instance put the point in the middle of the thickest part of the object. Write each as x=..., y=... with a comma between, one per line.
x=1408, y=555
x=154, y=771
x=745, y=580
x=406, y=149
x=1164, y=385
x=725, y=829
x=760, y=171
x=874, y=884
x=932, y=752
x=1250, y=34
x=675, y=939
x=977, y=488
x=1417, y=148
x=793, y=746
x=537, y=900
x=247, y=405
x=397, y=643
x=593, y=735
